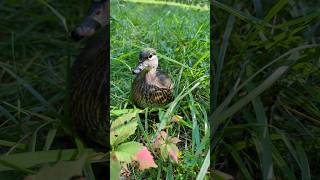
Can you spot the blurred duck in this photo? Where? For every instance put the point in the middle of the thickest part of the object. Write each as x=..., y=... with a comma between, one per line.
x=88, y=77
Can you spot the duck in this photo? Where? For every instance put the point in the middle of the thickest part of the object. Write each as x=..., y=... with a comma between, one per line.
x=95, y=19
x=151, y=88
x=88, y=96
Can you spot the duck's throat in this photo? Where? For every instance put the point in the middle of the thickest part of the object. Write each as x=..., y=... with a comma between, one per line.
x=151, y=75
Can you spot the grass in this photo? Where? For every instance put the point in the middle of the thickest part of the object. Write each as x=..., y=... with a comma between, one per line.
x=181, y=37
x=266, y=112
x=36, y=50
x=266, y=107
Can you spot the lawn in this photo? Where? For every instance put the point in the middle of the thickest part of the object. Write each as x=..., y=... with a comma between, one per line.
x=180, y=34
x=265, y=98
x=36, y=52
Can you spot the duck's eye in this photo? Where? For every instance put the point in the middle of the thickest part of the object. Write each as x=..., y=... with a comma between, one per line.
x=150, y=56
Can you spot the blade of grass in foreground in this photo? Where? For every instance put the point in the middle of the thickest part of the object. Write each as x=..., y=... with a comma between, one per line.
x=5, y=143
x=173, y=105
x=217, y=119
x=263, y=140
x=222, y=53
x=204, y=167
x=263, y=145
x=50, y=137
x=233, y=92
x=30, y=159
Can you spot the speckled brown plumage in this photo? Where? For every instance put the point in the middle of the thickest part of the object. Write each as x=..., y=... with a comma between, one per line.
x=151, y=87
x=88, y=78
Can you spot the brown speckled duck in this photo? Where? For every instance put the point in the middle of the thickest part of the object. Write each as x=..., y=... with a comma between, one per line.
x=89, y=78
x=151, y=87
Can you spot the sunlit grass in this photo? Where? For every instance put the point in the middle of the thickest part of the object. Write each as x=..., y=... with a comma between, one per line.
x=181, y=37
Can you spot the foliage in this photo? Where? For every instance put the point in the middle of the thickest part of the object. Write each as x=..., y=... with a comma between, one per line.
x=167, y=146
x=262, y=131
x=180, y=35
x=123, y=153
x=36, y=50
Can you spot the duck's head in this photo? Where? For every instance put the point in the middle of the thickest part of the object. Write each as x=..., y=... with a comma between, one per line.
x=96, y=17
x=147, y=60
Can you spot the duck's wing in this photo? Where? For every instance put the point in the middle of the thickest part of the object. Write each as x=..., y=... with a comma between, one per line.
x=163, y=80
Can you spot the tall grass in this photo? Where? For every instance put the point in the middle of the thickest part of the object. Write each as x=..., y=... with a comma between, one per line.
x=266, y=53
x=35, y=52
x=180, y=34
x=34, y=67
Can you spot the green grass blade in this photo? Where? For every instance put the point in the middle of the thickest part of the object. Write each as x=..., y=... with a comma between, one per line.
x=282, y=165
x=30, y=159
x=237, y=158
x=264, y=141
x=239, y=14
x=50, y=137
x=11, y=144
x=274, y=10
x=204, y=167
x=222, y=53
x=305, y=169
x=169, y=175
x=6, y=113
x=57, y=13
x=218, y=119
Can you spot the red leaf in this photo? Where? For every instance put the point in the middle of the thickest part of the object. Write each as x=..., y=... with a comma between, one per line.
x=145, y=159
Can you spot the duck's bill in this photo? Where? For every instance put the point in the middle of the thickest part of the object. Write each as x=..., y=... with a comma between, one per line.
x=91, y=23
x=87, y=28
x=139, y=68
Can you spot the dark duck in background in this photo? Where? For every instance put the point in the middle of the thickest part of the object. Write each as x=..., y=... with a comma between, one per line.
x=88, y=78
x=151, y=87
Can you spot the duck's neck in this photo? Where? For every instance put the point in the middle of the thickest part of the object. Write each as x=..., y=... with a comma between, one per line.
x=151, y=75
